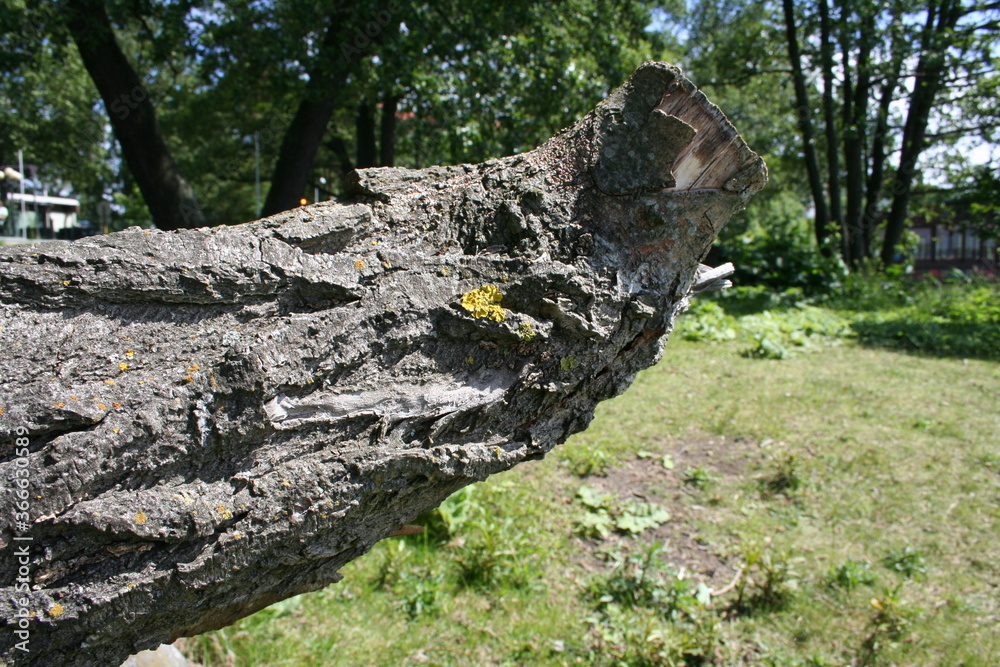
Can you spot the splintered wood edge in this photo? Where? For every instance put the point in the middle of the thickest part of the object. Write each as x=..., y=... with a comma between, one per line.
x=717, y=154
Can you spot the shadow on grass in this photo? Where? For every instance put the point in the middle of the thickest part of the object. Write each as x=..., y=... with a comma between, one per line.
x=754, y=302
x=939, y=339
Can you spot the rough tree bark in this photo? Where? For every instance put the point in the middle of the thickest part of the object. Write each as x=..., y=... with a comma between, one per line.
x=218, y=419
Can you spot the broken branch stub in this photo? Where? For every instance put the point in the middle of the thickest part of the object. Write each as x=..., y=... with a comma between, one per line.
x=217, y=419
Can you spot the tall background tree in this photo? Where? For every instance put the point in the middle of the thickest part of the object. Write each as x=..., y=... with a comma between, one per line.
x=876, y=102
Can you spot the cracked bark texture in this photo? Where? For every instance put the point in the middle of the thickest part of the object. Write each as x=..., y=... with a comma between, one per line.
x=217, y=419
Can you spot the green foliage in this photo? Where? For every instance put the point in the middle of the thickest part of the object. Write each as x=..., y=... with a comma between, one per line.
x=782, y=257
x=768, y=580
x=495, y=554
x=851, y=574
x=446, y=520
x=891, y=620
x=603, y=513
x=956, y=317
x=907, y=561
x=586, y=461
x=784, y=477
x=649, y=612
x=640, y=577
x=490, y=552
x=772, y=334
x=423, y=593
x=699, y=477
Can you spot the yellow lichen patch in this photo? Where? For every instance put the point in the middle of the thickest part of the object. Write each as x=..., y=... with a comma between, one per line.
x=56, y=610
x=189, y=378
x=115, y=430
x=224, y=511
x=359, y=264
x=485, y=302
x=140, y=517
x=193, y=368
x=285, y=482
x=73, y=398
x=123, y=366
x=60, y=405
x=109, y=382
x=101, y=406
x=526, y=332
x=129, y=353
x=116, y=405
x=65, y=283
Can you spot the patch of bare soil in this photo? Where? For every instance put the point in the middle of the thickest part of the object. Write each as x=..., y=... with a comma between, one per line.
x=648, y=480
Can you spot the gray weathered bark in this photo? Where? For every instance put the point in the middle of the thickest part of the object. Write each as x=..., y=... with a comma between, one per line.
x=218, y=419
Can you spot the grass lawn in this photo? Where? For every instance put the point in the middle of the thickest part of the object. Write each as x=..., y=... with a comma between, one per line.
x=840, y=506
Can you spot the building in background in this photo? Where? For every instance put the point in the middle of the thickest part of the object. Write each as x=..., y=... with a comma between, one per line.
x=29, y=213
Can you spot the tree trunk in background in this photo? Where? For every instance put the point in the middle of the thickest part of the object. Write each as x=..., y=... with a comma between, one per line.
x=855, y=121
x=305, y=133
x=830, y=121
x=876, y=169
x=298, y=151
x=387, y=139
x=938, y=36
x=364, y=135
x=217, y=419
x=167, y=193
x=806, y=127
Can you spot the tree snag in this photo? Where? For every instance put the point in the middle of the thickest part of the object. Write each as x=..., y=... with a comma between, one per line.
x=213, y=420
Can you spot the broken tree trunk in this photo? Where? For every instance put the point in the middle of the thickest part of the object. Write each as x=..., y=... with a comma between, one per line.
x=197, y=424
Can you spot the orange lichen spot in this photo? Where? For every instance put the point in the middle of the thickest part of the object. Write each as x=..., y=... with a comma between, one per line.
x=193, y=368
x=101, y=406
x=59, y=406
x=73, y=398
x=2, y=411
x=140, y=517
x=224, y=511
x=123, y=366
x=485, y=303
x=129, y=353
x=285, y=482
x=116, y=405
x=359, y=264
x=56, y=610
x=189, y=378
x=109, y=382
